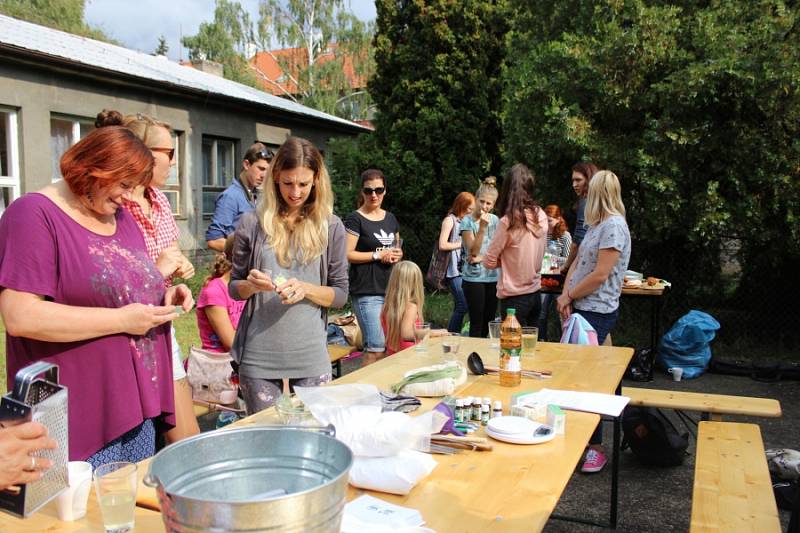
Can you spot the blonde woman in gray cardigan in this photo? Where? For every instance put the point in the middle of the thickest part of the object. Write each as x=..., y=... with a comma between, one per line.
x=290, y=264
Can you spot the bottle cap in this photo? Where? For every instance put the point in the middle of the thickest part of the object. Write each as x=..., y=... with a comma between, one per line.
x=467, y=400
x=485, y=408
x=488, y=400
x=511, y=311
x=498, y=405
x=459, y=403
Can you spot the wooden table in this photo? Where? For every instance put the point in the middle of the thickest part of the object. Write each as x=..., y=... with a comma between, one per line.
x=47, y=520
x=656, y=297
x=512, y=488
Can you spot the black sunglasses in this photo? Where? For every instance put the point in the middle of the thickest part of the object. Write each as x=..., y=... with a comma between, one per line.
x=263, y=154
x=377, y=190
x=169, y=151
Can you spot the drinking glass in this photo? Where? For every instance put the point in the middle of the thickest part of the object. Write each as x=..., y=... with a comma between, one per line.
x=450, y=345
x=397, y=243
x=529, y=338
x=421, y=332
x=494, y=333
x=115, y=486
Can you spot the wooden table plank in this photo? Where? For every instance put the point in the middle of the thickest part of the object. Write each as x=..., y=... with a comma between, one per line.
x=732, y=487
x=707, y=403
x=512, y=488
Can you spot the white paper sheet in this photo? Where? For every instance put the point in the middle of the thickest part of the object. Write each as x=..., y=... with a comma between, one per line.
x=590, y=402
x=369, y=514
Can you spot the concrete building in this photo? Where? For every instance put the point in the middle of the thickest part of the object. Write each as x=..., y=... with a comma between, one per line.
x=52, y=84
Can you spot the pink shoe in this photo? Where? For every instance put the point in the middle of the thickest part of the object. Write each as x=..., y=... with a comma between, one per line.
x=595, y=461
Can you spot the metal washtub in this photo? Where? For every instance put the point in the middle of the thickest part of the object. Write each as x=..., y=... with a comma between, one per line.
x=268, y=478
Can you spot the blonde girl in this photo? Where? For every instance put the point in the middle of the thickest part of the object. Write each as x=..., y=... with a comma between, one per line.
x=290, y=264
x=402, y=311
x=594, y=281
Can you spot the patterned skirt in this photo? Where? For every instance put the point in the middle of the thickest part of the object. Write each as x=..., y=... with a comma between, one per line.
x=134, y=446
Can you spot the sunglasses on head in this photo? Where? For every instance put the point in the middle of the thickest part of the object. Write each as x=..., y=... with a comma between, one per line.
x=263, y=154
x=169, y=151
x=377, y=190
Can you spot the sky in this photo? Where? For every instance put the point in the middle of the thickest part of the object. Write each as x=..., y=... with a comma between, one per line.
x=137, y=24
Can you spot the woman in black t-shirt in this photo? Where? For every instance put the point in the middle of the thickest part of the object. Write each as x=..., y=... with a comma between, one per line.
x=373, y=247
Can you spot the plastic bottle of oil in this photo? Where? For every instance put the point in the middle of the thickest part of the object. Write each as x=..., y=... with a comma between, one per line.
x=510, y=350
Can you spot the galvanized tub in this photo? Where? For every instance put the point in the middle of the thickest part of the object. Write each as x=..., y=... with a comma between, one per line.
x=268, y=478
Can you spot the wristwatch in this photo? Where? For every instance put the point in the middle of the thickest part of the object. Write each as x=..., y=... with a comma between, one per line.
x=376, y=256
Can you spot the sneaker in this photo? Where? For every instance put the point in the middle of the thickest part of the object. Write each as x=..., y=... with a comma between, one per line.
x=595, y=461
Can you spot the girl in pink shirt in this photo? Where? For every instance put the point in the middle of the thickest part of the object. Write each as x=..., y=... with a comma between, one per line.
x=217, y=313
x=518, y=246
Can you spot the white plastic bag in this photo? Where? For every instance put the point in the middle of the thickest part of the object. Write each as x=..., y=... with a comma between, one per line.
x=396, y=475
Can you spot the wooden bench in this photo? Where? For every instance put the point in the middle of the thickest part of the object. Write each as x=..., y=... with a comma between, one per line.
x=732, y=487
x=712, y=406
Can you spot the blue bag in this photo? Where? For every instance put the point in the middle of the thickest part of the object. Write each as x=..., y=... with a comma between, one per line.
x=687, y=344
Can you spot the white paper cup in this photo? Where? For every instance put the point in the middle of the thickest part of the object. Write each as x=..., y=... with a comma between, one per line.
x=71, y=503
x=677, y=373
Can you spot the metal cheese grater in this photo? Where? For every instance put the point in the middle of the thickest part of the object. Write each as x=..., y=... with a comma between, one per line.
x=43, y=400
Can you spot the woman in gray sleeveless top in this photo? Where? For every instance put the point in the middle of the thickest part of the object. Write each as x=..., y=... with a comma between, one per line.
x=290, y=264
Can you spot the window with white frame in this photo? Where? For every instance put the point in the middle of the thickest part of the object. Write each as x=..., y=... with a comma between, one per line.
x=172, y=189
x=218, y=169
x=9, y=158
x=64, y=132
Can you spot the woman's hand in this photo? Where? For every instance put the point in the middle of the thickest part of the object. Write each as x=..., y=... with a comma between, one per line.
x=169, y=260
x=179, y=295
x=292, y=292
x=475, y=259
x=186, y=269
x=564, y=305
x=395, y=255
x=438, y=333
x=17, y=443
x=484, y=221
x=260, y=281
x=138, y=319
x=385, y=256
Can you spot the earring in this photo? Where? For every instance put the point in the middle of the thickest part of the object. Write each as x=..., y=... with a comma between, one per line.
x=89, y=196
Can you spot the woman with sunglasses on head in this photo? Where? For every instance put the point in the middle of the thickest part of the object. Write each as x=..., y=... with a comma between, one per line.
x=290, y=264
x=518, y=246
x=373, y=237
x=78, y=289
x=152, y=212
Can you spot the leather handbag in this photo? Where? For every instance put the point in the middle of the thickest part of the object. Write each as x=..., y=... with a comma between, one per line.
x=440, y=260
x=350, y=329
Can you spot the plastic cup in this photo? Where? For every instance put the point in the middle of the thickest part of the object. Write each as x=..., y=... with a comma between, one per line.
x=421, y=333
x=494, y=333
x=450, y=346
x=677, y=373
x=71, y=503
x=115, y=485
x=529, y=337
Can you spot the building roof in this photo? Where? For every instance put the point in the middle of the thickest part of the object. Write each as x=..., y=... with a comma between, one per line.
x=268, y=64
x=62, y=46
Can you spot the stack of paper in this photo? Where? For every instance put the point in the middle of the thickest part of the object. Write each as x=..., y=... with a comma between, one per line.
x=368, y=514
x=590, y=402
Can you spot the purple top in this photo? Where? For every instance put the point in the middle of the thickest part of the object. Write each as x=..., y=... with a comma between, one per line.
x=117, y=381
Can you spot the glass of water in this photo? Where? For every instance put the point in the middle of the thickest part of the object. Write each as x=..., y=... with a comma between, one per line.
x=494, y=333
x=529, y=338
x=450, y=345
x=421, y=332
x=115, y=486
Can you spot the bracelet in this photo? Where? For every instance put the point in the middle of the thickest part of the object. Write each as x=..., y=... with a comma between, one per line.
x=569, y=295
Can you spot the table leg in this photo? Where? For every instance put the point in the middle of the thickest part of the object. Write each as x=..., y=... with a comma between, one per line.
x=655, y=321
x=337, y=369
x=612, y=515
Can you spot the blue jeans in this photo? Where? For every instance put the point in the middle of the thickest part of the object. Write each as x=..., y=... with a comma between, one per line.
x=544, y=314
x=460, y=305
x=368, y=314
x=602, y=323
x=526, y=307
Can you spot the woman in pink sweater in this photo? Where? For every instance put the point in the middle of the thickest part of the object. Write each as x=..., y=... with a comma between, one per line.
x=518, y=246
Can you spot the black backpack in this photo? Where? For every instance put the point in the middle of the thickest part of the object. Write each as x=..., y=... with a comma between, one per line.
x=652, y=437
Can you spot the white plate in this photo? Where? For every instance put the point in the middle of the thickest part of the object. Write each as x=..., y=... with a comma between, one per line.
x=521, y=439
x=512, y=425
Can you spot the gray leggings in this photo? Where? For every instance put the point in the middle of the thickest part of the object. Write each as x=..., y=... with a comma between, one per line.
x=262, y=393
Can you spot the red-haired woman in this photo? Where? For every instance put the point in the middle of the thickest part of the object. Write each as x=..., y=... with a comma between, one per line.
x=559, y=242
x=450, y=240
x=78, y=289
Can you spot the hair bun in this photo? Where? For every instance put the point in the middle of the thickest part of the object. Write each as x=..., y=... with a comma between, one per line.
x=490, y=181
x=108, y=117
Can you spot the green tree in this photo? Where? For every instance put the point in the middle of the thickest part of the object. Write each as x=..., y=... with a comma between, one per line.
x=695, y=106
x=328, y=39
x=65, y=15
x=437, y=88
x=225, y=40
x=162, y=48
